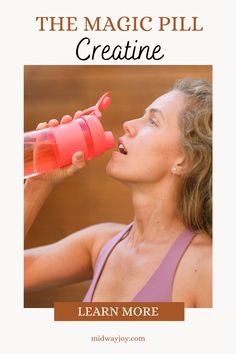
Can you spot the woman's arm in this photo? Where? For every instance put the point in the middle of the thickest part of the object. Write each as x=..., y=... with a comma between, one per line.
x=69, y=260
x=37, y=189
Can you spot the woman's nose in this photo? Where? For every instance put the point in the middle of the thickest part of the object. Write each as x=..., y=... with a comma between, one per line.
x=129, y=128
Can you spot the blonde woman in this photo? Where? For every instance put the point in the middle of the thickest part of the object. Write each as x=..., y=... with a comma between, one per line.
x=164, y=254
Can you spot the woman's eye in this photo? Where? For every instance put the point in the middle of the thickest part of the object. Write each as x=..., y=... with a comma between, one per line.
x=153, y=122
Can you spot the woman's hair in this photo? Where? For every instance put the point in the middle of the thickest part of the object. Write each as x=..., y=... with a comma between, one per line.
x=195, y=200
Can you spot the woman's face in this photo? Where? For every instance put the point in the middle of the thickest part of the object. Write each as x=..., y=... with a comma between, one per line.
x=151, y=143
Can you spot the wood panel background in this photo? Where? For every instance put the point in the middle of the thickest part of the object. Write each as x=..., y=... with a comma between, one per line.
x=90, y=196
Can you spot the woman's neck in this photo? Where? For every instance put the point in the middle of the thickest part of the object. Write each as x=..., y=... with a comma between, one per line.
x=155, y=214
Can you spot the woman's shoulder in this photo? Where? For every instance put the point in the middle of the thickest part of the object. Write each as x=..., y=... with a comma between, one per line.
x=102, y=233
x=105, y=231
x=201, y=253
x=193, y=278
x=202, y=245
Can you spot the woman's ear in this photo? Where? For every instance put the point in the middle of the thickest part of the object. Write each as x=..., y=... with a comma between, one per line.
x=179, y=166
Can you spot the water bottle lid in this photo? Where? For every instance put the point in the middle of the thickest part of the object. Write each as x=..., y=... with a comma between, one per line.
x=84, y=133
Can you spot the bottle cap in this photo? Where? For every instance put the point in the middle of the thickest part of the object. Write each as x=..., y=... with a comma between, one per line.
x=84, y=133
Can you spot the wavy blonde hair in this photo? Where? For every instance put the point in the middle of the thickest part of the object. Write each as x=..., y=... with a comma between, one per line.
x=195, y=200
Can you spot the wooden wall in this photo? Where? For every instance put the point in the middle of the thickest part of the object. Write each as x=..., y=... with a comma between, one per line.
x=90, y=196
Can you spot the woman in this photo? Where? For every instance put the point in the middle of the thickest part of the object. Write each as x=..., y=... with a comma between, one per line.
x=164, y=158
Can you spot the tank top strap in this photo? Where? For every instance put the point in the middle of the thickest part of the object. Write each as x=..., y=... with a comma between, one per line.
x=159, y=286
x=175, y=253
x=101, y=260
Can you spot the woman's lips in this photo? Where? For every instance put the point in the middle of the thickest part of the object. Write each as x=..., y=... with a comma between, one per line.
x=121, y=147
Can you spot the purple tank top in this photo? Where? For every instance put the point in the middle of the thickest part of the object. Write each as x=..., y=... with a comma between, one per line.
x=159, y=286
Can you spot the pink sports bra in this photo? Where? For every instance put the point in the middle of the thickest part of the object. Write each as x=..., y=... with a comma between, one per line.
x=159, y=286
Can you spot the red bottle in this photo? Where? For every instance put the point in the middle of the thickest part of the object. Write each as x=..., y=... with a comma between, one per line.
x=50, y=148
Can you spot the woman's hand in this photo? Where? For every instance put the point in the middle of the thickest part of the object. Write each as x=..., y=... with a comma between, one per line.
x=56, y=176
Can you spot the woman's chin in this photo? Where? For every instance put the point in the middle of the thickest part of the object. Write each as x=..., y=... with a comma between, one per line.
x=110, y=169
x=113, y=171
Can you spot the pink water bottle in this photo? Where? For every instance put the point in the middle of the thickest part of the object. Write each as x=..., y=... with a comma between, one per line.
x=50, y=148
